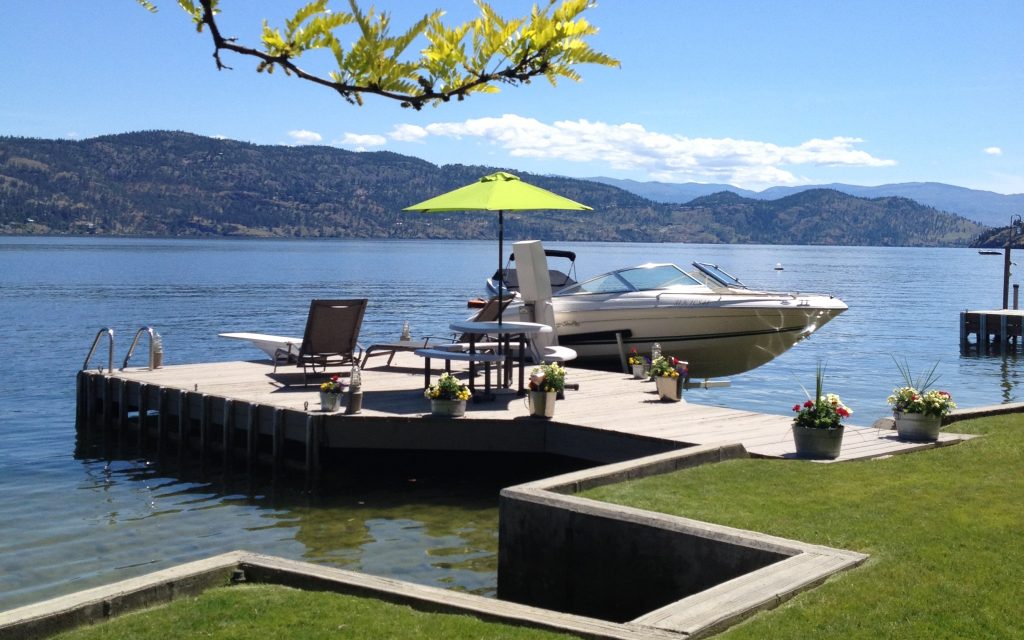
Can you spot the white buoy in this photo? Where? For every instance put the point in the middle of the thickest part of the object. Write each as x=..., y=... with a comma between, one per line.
x=778, y=266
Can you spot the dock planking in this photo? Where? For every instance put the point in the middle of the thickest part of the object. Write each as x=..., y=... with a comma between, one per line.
x=611, y=417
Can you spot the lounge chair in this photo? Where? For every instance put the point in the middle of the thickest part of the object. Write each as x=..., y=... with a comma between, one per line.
x=330, y=339
x=455, y=343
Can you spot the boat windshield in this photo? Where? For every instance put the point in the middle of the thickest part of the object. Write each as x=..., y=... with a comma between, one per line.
x=719, y=275
x=645, y=278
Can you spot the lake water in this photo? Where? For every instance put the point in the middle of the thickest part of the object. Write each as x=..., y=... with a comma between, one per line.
x=71, y=523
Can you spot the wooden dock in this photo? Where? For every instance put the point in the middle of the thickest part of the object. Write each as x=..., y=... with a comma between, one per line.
x=241, y=410
x=993, y=330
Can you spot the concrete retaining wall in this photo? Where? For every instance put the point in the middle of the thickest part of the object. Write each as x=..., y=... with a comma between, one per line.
x=606, y=563
x=584, y=557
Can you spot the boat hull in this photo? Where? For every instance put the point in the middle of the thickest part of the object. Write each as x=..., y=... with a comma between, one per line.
x=717, y=337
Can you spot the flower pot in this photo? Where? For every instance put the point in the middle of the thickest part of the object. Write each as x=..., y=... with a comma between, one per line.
x=447, y=408
x=669, y=388
x=917, y=427
x=821, y=444
x=639, y=371
x=542, y=403
x=330, y=402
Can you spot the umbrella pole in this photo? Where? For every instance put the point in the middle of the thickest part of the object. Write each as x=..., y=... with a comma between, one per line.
x=501, y=272
x=501, y=287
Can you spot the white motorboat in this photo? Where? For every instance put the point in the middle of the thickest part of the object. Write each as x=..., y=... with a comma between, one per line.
x=706, y=317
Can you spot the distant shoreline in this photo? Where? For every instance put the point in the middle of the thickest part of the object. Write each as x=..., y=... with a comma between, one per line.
x=508, y=241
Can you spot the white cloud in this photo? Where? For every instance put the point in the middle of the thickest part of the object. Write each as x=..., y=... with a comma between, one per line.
x=668, y=157
x=361, y=141
x=408, y=133
x=994, y=151
x=302, y=136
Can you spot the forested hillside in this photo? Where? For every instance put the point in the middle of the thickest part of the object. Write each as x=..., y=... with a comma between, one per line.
x=987, y=207
x=162, y=183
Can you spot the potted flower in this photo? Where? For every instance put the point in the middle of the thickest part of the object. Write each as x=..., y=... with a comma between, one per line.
x=546, y=382
x=636, y=362
x=447, y=397
x=916, y=409
x=330, y=394
x=669, y=373
x=818, y=427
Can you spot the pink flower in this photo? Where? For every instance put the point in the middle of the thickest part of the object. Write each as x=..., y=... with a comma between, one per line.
x=809, y=403
x=796, y=407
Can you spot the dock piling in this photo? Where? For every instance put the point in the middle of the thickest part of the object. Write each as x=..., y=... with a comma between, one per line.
x=251, y=436
x=277, y=448
x=161, y=422
x=143, y=415
x=183, y=419
x=228, y=423
x=204, y=427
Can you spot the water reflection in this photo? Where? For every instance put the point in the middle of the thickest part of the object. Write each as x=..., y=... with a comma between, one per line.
x=426, y=517
x=1004, y=368
x=430, y=518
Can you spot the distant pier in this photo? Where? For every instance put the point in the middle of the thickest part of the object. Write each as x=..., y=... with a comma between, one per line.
x=997, y=330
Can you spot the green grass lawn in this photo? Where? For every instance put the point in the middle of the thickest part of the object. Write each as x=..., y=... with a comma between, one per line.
x=248, y=612
x=945, y=530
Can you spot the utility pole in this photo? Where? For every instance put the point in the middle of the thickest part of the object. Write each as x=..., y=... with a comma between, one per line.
x=1015, y=223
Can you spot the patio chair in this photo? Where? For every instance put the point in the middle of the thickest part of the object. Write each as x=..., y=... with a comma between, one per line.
x=330, y=339
x=488, y=312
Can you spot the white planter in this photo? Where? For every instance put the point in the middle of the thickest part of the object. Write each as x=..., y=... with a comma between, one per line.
x=917, y=427
x=639, y=371
x=670, y=389
x=818, y=443
x=448, y=408
x=542, y=403
x=330, y=402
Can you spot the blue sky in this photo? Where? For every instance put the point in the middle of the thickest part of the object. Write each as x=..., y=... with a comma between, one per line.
x=750, y=93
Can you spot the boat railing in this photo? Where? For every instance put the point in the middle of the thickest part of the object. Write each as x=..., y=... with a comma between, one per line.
x=156, y=349
x=110, y=349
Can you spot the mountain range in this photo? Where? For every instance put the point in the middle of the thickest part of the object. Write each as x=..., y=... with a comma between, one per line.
x=165, y=183
x=987, y=207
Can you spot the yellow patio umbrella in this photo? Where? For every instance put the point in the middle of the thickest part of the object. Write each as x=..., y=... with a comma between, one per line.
x=499, y=192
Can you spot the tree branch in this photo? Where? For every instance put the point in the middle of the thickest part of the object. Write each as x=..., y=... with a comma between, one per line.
x=534, y=61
